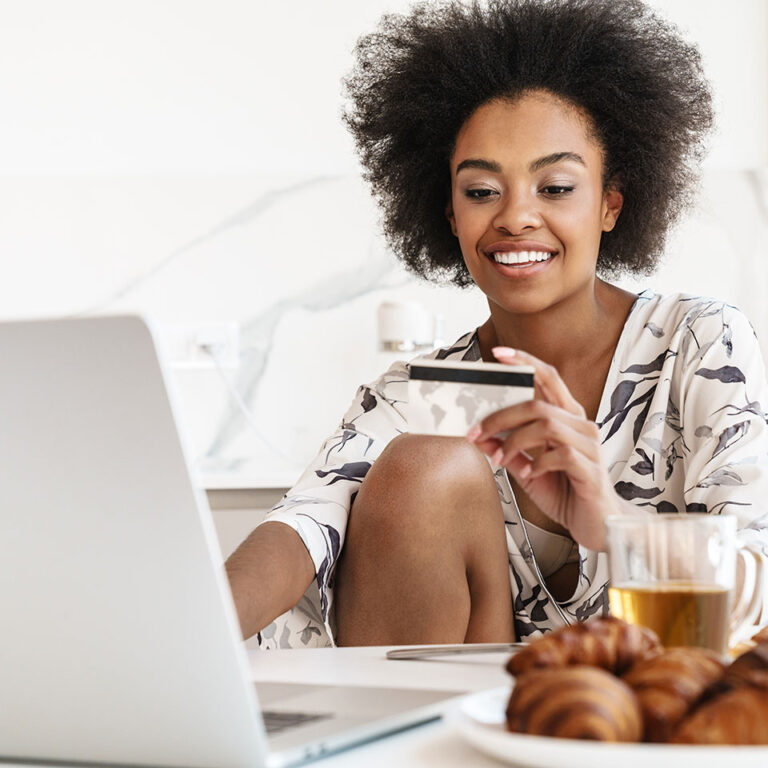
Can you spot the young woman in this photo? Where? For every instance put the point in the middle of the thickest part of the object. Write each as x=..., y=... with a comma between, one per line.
x=533, y=149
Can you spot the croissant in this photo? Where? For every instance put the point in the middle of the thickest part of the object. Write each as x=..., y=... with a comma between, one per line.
x=607, y=642
x=739, y=716
x=668, y=685
x=574, y=703
x=751, y=667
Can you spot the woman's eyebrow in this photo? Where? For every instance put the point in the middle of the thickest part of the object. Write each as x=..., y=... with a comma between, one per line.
x=483, y=165
x=555, y=157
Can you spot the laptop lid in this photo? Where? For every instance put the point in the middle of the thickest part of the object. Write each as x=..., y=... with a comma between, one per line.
x=119, y=642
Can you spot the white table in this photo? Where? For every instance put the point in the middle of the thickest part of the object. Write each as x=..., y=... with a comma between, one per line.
x=433, y=744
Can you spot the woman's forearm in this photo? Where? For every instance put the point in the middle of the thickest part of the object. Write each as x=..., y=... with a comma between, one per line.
x=268, y=573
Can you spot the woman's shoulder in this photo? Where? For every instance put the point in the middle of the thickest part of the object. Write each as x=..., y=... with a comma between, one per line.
x=677, y=319
x=393, y=380
x=466, y=347
x=679, y=336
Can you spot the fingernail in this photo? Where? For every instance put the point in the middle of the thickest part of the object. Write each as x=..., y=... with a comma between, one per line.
x=498, y=456
x=525, y=470
x=474, y=433
x=503, y=352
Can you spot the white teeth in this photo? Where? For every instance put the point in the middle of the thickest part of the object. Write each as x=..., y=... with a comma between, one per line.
x=521, y=257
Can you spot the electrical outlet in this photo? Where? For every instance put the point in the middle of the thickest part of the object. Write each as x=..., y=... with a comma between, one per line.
x=201, y=346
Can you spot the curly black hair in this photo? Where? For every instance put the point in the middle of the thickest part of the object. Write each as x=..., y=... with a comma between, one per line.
x=420, y=76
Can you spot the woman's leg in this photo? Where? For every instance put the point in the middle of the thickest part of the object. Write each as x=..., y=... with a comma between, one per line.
x=425, y=555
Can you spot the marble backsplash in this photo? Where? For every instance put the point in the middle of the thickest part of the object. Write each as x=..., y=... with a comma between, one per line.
x=299, y=265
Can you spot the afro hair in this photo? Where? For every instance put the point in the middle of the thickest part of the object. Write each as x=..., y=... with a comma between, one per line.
x=420, y=76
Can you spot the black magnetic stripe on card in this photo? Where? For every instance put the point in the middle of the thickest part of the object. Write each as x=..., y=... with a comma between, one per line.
x=468, y=376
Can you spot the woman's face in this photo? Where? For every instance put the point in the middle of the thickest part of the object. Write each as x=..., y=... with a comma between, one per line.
x=527, y=203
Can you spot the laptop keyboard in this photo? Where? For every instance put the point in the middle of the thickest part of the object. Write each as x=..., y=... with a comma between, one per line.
x=275, y=722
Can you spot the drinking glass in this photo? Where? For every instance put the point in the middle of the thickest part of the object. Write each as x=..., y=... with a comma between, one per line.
x=676, y=574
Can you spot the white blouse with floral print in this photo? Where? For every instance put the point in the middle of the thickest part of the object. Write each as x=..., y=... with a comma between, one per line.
x=683, y=425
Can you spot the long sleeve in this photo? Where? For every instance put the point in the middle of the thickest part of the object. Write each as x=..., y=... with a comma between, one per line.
x=725, y=434
x=724, y=430
x=683, y=417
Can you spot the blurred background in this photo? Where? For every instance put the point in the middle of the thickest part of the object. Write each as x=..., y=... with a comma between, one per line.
x=186, y=159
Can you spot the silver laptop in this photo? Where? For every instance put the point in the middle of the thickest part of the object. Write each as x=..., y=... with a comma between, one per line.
x=119, y=642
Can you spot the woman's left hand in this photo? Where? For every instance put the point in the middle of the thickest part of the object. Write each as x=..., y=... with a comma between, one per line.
x=566, y=480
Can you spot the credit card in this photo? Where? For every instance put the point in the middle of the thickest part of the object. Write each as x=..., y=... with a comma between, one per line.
x=447, y=397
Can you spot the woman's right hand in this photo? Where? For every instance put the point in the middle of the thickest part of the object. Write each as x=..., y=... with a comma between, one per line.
x=566, y=478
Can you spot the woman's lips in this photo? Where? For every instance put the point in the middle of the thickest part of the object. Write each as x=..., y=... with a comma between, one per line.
x=520, y=271
x=521, y=263
x=517, y=246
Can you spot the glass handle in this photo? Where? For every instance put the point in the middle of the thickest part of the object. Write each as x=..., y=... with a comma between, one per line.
x=749, y=599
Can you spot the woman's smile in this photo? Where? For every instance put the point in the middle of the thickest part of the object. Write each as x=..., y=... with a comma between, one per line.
x=517, y=259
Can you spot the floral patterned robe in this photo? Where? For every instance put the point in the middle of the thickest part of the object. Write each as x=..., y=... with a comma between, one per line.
x=683, y=424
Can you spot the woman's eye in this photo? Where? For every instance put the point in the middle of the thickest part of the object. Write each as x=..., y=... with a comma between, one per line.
x=479, y=194
x=554, y=190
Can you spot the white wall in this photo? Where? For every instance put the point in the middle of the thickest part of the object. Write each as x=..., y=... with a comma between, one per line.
x=186, y=159
x=241, y=87
x=733, y=39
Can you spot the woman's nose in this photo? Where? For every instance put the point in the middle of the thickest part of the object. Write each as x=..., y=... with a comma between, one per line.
x=517, y=213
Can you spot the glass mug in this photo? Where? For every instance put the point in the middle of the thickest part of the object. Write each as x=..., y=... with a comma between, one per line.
x=676, y=574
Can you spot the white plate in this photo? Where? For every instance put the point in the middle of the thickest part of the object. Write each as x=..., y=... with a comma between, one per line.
x=479, y=719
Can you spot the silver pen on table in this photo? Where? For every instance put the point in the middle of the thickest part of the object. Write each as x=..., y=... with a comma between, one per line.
x=431, y=651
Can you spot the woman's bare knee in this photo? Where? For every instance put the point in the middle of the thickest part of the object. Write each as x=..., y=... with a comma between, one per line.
x=418, y=477
x=428, y=505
